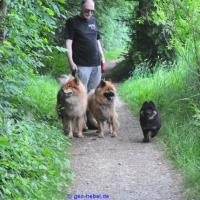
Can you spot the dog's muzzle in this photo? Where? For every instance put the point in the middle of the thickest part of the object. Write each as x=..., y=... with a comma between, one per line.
x=68, y=94
x=149, y=114
x=109, y=95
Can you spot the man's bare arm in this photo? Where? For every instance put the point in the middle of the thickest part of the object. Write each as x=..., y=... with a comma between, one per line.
x=101, y=51
x=69, y=54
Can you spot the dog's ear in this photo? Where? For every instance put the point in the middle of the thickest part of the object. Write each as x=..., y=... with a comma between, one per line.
x=152, y=103
x=145, y=103
x=102, y=83
x=63, y=79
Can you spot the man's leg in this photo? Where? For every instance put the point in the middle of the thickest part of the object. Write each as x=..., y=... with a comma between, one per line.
x=84, y=74
x=93, y=82
x=95, y=78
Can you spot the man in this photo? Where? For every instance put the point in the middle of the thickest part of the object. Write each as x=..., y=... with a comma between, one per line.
x=85, y=53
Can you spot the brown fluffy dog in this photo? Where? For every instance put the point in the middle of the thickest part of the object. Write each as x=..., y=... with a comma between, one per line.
x=101, y=104
x=72, y=105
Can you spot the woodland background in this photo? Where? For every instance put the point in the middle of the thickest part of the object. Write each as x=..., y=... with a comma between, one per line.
x=159, y=41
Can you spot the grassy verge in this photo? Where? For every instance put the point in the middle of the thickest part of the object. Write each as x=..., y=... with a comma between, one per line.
x=33, y=162
x=175, y=90
x=114, y=54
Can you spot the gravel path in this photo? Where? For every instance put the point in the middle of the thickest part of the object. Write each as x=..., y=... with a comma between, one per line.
x=122, y=168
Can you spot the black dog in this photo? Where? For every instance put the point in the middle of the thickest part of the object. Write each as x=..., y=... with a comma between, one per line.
x=150, y=120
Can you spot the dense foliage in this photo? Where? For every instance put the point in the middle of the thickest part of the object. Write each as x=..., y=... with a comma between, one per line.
x=161, y=29
x=149, y=38
x=33, y=162
x=112, y=19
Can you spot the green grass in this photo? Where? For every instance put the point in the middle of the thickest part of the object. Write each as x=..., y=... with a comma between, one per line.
x=114, y=54
x=42, y=89
x=175, y=90
x=34, y=163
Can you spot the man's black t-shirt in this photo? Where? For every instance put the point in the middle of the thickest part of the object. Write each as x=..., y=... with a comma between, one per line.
x=84, y=34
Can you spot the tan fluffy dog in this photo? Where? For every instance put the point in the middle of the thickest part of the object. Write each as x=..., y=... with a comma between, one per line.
x=101, y=104
x=72, y=104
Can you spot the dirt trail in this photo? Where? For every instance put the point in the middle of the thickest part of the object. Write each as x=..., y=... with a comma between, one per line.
x=122, y=168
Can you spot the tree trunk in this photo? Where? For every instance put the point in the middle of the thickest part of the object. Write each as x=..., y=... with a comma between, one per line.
x=3, y=10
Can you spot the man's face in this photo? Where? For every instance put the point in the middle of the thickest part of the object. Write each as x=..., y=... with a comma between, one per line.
x=87, y=9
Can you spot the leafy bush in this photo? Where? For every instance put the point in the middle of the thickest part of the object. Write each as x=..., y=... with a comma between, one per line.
x=34, y=164
x=56, y=64
x=33, y=161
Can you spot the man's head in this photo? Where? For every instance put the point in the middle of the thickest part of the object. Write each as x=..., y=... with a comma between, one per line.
x=87, y=9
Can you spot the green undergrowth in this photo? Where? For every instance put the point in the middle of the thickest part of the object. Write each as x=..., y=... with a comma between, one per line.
x=56, y=64
x=175, y=90
x=34, y=163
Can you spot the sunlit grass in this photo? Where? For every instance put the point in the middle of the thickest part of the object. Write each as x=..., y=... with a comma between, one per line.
x=114, y=54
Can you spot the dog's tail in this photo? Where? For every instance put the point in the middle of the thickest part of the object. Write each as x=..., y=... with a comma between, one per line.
x=63, y=79
x=91, y=121
x=59, y=110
